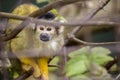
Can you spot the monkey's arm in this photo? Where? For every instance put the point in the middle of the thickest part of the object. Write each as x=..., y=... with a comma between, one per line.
x=28, y=63
x=43, y=65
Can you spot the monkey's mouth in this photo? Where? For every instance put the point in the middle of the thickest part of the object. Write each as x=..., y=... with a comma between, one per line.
x=44, y=37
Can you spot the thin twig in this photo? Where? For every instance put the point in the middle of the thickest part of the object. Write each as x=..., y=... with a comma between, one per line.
x=13, y=16
x=50, y=6
x=90, y=15
x=93, y=43
x=25, y=75
x=118, y=77
x=3, y=58
x=53, y=23
x=86, y=19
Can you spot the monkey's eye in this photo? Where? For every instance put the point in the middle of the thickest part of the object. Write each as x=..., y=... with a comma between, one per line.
x=49, y=29
x=41, y=28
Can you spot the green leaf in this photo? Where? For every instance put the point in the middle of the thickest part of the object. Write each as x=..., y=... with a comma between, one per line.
x=40, y=1
x=55, y=12
x=76, y=66
x=100, y=50
x=79, y=52
x=54, y=61
x=80, y=60
x=101, y=59
x=100, y=55
x=60, y=18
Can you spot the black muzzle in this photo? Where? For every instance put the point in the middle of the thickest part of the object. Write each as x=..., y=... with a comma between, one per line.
x=44, y=37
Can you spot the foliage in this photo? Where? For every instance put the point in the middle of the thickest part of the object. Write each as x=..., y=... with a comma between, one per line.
x=54, y=61
x=40, y=1
x=54, y=11
x=84, y=60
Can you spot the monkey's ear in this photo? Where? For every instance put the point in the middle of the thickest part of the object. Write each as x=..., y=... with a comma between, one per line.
x=60, y=29
x=62, y=20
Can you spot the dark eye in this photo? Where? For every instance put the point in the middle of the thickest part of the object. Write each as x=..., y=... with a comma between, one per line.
x=48, y=29
x=41, y=28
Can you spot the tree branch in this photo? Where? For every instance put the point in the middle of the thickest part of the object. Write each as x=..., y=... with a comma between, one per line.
x=118, y=77
x=92, y=43
x=25, y=75
x=50, y=6
x=53, y=23
x=15, y=31
x=13, y=16
x=86, y=19
x=91, y=15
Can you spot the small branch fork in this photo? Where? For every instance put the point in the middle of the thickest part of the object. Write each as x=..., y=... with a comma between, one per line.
x=85, y=20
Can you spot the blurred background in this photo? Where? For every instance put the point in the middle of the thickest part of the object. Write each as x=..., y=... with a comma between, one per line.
x=76, y=11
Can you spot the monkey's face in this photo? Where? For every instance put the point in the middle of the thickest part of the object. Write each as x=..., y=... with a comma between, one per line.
x=47, y=33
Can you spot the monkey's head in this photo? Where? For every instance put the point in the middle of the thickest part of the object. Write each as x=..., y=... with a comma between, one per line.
x=47, y=33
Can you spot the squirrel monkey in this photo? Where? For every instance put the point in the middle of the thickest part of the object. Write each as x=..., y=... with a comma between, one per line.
x=35, y=44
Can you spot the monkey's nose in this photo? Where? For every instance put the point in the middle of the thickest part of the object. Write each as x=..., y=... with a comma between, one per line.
x=44, y=37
